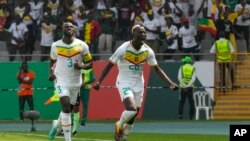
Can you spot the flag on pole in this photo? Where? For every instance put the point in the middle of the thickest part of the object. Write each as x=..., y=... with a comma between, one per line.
x=207, y=25
x=53, y=98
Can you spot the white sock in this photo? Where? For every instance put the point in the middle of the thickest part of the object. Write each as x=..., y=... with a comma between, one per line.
x=125, y=117
x=125, y=131
x=66, y=125
x=58, y=122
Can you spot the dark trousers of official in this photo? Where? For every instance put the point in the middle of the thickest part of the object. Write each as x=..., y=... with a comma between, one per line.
x=223, y=68
x=186, y=93
x=22, y=100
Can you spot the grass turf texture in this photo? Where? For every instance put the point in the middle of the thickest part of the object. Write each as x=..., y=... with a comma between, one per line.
x=97, y=136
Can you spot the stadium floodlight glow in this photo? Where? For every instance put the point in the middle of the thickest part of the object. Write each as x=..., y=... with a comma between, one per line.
x=32, y=115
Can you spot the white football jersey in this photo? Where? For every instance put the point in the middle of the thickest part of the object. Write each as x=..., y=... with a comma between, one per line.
x=130, y=62
x=65, y=56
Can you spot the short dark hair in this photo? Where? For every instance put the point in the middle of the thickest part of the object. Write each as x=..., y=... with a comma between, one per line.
x=24, y=63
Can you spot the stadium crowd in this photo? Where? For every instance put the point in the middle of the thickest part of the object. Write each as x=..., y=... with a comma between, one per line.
x=171, y=25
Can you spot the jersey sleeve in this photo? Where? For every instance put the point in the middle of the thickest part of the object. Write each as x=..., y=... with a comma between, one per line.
x=151, y=58
x=117, y=55
x=53, y=53
x=86, y=54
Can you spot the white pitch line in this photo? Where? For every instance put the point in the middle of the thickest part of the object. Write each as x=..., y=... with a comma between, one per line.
x=78, y=139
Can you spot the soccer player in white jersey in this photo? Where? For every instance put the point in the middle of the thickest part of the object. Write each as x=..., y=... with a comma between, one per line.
x=70, y=55
x=130, y=58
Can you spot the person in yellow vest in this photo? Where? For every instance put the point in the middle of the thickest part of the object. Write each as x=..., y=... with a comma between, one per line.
x=224, y=50
x=186, y=77
x=88, y=77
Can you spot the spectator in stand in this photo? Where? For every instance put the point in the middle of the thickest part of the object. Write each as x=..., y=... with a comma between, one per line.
x=25, y=78
x=80, y=16
x=243, y=20
x=18, y=31
x=223, y=24
x=53, y=5
x=231, y=16
x=152, y=27
x=4, y=14
x=171, y=36
x=176, y=13
x=186, y=5
x=28, y=21
x=36, y=12
x=155, y=5
x=58, y=31
x=194, y=15
x=20, y=8
x=92, y=31
x=124, y=12
x=231, y=3
x=137, y=16
x=188, y=34
x=164, y=13
x=47, y=39
x=100, y=5
x=107, y=21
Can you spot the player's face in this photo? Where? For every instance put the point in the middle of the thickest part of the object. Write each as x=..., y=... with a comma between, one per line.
x=140, y=34
x=68, y=29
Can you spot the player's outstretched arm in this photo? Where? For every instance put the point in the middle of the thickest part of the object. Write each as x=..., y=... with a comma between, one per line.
x=52, y=76
x=164, y=77
x=103, y=75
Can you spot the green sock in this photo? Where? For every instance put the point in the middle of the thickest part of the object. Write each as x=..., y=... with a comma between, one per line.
x=76, y=121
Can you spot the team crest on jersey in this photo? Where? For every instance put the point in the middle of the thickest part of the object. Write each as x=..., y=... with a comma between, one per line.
x=136, y=58
x=68, y=52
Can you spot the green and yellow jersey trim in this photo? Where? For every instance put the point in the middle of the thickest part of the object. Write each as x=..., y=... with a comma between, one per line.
x=68, y=51
x=135, y=58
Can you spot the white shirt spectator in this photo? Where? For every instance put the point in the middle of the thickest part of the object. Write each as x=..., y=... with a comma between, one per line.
x=138, y=21
x=79, y=20
x=163, y=23
x=19, y=11
x=36, y=10
x=246, y=14
x=174, y=10
x=171, y=32
x=100, y=5
x=188, y=36
x=156, y=5
x=207, y=4
x=54, y=7
x=17, y=31
x=47, y=34
x=151, y=25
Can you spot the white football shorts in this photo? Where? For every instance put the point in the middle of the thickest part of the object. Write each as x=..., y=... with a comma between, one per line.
x=71, y=92
x=126, y=90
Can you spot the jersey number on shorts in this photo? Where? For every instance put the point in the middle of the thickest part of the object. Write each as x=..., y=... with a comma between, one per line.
x=125, y=90
x=59, y=90
x=70, y=63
